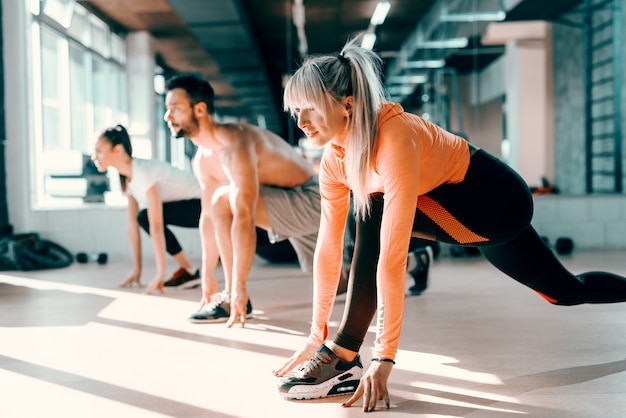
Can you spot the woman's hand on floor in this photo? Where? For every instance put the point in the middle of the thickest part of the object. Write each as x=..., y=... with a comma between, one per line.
x=155, y=284
x=208, y=296
x=132, y=279
x=297, y=360
x=373, y=386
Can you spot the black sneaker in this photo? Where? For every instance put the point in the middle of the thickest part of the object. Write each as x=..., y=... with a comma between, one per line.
x=326, y=374
x=218, y=310
x=423, y=260
x=182, y=279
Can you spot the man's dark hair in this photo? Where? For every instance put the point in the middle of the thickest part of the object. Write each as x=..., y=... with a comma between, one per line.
x=197, y=89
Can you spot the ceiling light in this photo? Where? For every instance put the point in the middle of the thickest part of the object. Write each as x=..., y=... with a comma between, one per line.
x=424, y=64
x=380, y=13
x=369, y=39
x=498, y=16
x=409, y=79
x=400, y=90
x=443, y=44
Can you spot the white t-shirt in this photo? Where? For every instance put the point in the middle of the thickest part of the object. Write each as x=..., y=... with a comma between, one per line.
x=173, y=183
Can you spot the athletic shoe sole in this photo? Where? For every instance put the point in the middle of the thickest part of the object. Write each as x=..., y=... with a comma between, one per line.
x=343, y=384
x=191, y=284
x=215, y=320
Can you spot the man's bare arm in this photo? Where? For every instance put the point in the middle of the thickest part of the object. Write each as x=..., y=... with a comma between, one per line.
x=210, y=255
x=241, y=167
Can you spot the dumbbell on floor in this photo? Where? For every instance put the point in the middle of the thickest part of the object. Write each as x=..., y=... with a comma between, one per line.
x=100, y=258
x=562, y=245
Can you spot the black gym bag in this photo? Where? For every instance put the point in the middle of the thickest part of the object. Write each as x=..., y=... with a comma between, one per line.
x=29, y=252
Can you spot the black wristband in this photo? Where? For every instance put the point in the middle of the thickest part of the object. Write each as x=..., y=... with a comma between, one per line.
x=388, y=360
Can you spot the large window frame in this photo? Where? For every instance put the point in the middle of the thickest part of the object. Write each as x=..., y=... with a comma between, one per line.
x=79, y=87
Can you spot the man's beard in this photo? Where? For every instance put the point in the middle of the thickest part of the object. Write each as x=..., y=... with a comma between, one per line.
x=189, y=130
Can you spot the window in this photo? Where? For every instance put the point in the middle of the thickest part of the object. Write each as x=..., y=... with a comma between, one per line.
x=81, y=102
x=59, y=10
x=53, y=99
x=79, y=88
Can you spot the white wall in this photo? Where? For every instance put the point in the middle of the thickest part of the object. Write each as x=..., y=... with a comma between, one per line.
x=100, y=229
x=527, y=69
x=597, y=222
x=528, y=110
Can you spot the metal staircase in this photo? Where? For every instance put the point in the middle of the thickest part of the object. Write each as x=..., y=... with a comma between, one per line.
x=603, y=83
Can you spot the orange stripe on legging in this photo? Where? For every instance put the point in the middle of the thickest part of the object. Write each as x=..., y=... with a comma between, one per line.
x=447, y=222
x=548, y=298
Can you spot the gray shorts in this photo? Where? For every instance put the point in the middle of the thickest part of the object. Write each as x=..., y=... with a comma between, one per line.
x=294, y=215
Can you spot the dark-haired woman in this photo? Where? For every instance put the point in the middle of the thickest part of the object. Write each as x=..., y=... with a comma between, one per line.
x=159, y=195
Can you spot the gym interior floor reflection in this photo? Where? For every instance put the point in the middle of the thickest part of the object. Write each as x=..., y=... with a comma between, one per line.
x=475, y=344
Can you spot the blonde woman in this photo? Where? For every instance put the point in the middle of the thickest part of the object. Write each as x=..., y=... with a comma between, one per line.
x=159, y=195
x=408, y=177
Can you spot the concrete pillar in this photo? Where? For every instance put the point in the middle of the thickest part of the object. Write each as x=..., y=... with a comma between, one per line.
x=529, y=96
x=140, y=66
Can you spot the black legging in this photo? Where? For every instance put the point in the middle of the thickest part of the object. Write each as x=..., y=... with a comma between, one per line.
x=490, y=209
x=184, y=213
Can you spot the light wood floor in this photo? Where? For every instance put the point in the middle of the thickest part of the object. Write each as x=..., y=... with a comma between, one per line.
x=475, y=344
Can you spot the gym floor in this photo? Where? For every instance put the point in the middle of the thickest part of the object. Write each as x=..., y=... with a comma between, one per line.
x=475, y=344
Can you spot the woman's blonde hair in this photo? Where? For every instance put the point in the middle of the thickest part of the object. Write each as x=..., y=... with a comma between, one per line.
x=355, y=72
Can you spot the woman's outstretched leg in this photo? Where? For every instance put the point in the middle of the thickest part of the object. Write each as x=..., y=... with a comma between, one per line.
x=531, y=262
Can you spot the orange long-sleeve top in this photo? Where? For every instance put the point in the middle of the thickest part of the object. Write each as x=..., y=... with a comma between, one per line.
x=412, y=157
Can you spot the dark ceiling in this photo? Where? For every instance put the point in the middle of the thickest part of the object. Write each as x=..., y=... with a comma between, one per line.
x=246, y=47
